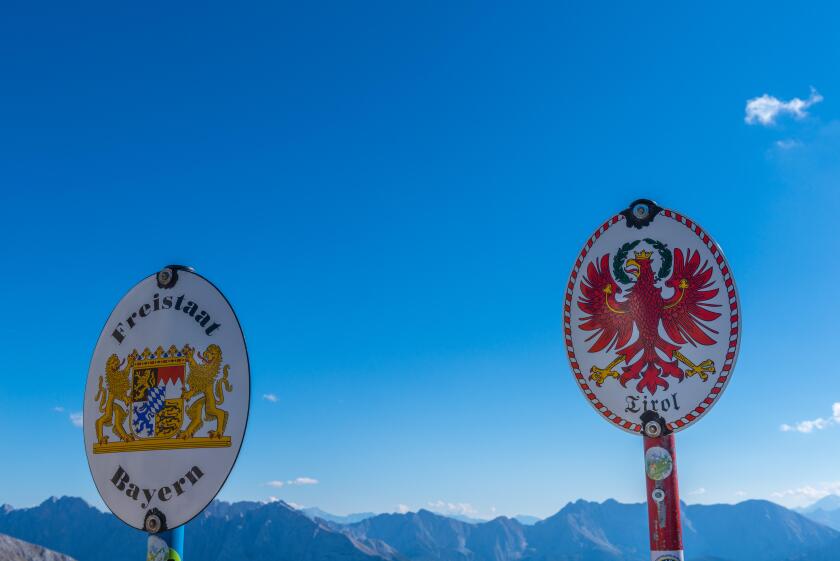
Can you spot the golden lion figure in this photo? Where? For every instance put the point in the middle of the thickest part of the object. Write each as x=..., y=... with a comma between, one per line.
x=118, y=388
x=201, y=381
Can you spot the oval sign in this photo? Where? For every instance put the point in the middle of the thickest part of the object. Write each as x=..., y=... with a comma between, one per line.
x=166, y=401
x=651, y=319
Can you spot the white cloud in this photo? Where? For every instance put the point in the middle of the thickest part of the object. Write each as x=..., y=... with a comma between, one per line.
x=740, y=493
x=807, y=426
x=816, y=424
x=277, y=483
x=788, y=144
x=58, y=409
x=273, y=499
x=402, y=509
x=296, y=506
x=270, y=397
x=697, y=492
x=809, y=492
x=764, y=110
x=303, y=481
x=462, y=509
x=76, y=419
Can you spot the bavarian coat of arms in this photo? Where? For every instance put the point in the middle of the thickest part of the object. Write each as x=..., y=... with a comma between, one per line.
x=161, y=400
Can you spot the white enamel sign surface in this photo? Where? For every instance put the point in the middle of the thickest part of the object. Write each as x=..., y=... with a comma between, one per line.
x=651, y=320
x=166, y=401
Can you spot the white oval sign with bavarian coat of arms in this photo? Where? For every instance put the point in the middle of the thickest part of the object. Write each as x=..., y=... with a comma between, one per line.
x=651, y=319
x=166, y=401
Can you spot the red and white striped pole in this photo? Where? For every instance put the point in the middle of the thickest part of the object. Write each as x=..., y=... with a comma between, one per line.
x=663, y=496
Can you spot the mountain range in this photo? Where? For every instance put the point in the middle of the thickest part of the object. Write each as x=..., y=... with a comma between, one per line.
x=580, y=531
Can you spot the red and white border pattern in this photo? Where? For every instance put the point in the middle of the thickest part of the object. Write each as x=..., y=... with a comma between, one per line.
x=734, y=330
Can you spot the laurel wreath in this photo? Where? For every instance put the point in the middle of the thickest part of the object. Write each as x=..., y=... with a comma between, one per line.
x=618, y=262
x=621, y=257
x=665, y=255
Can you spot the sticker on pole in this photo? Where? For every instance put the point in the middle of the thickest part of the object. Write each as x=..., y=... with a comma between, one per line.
x=166, y=401
x=651, y=319
x=658, y=463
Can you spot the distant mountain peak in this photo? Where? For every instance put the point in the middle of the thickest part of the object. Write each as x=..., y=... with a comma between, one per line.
x=526, y=519
x=825, y=511
x=828, y=503
x=317, y=513
x=67, y=504
x=226, y=510
x=65, y=500
x=426, y=512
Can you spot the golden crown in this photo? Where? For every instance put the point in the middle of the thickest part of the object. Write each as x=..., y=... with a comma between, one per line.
x=643, y=254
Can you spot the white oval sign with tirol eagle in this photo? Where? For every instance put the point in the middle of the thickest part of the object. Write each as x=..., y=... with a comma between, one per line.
x=166, y=401
x=651, y=319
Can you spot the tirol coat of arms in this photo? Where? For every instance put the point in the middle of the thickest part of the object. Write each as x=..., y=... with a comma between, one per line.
x=161, y=400
x=646, y=329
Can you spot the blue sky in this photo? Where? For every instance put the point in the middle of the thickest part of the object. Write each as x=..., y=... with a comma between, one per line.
x=392, y=197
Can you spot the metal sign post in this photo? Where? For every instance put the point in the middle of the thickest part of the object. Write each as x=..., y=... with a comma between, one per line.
x=652, y=329
x=166, y=405
x=663, y=496
x=166, y=546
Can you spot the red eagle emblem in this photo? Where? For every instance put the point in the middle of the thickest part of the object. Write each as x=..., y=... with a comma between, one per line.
x=662, y=326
